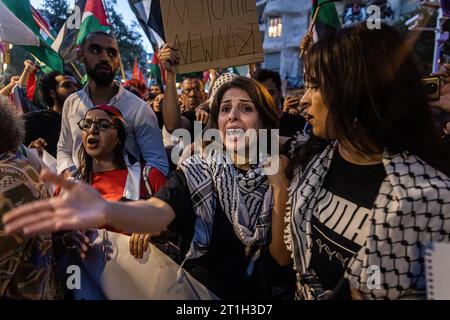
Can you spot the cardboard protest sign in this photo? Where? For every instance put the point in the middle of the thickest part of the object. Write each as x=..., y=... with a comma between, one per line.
x=212, y=33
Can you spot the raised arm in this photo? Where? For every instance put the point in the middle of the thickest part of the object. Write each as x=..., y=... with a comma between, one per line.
x=171, y=110
x=6, y=91
x=29, y=67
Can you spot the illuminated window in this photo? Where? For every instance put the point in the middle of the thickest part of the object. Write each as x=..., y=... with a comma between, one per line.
x=275, y=27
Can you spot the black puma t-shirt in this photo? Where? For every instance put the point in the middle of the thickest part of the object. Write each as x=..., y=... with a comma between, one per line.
x=341, y=218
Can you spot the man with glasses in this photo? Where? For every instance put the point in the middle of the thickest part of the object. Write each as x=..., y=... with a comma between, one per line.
x=99, y=53
x=192, y=94
x=43, y=127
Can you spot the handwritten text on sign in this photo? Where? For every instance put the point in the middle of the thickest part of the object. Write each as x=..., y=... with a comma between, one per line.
x=212, y=33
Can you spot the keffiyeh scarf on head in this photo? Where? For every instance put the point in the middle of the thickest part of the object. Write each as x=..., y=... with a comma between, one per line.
x=246, y=199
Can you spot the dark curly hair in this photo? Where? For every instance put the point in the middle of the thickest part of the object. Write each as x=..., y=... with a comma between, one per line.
x=262, y=75
x=46, y=85
x=11, y=127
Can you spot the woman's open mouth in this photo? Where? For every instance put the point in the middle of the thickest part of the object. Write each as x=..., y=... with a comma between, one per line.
x=234, y=133
x=92, y=142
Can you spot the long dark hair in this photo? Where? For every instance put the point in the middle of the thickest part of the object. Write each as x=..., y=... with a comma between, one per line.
x=376, y=101
x=85, y=160
x=261, y=98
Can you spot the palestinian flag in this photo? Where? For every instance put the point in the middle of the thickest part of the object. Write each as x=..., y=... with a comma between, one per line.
x=46, y=31
x=18, y=27
x=157, y=71
x=31, y=86
x=148, y=14
x=327, y=19
x=65, y=41
x=94, y=19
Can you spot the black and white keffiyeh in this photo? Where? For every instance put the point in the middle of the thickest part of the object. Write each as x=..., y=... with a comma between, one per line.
x=412, y=209
x=246, y=199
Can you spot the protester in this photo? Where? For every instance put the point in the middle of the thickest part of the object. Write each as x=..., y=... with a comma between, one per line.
x=99, y=53
x=157, y=107
x=42, y=128
x=19, y=92
x=6, y=91
x=26, y=263
x=224, y=210
x=290, y=124
x=155, y=90
x=151, y=94
x=103, y=165
x=178, y=116
x=192, y=93
x=370, y=188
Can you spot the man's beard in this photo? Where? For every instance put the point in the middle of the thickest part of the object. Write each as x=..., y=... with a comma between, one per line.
x=103, y=80
x=60, y=99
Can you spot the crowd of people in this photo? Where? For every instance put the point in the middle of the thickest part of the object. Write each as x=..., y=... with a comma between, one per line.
x=361, y=173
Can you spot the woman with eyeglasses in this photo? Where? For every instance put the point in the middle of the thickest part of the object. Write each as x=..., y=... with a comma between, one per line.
x=106, y=166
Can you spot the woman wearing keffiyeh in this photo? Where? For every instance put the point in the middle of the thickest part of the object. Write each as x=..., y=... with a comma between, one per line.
x=221, y=203
x=370, y=187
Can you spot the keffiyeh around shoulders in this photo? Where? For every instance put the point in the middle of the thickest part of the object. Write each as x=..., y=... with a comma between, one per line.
x=245, y=198
x=412, y=209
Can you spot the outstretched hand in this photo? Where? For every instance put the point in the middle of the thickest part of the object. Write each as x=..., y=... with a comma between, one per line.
x=81, y=207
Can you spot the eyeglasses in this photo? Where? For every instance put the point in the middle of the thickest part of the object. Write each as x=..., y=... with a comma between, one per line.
x=101, y=125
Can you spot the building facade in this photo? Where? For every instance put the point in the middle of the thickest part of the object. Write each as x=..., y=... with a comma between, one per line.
x=284, y=23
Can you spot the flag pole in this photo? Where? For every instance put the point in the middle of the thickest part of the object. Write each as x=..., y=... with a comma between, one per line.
x=122, y=70
x=74, y=67
x=307, y=39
